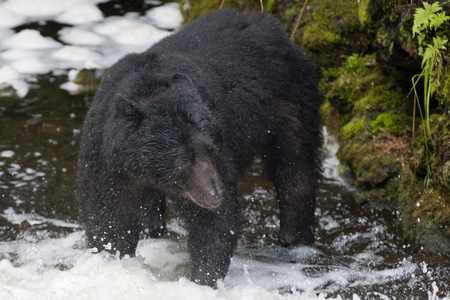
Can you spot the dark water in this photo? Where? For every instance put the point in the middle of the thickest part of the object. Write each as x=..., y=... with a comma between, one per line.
x=357, y=249
x=43, y=132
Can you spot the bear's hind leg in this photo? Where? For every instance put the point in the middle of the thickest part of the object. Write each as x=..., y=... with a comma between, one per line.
x=293, y=166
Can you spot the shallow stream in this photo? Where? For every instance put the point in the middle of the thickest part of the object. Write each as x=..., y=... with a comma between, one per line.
x=357, y=255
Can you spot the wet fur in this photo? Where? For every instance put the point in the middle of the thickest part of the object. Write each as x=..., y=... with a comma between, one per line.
x=225, y=89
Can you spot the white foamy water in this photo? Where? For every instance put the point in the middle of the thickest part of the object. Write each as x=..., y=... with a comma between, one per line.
x=47, y=259
x=91, y=40
x=35, y=273
x=45, y=263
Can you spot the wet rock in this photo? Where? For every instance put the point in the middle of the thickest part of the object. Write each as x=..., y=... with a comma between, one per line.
x=7, y=91
x=7, y=230
x=85, y=81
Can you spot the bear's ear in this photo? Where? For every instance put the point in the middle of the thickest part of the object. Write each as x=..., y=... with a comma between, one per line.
x=128, y=110
x=181, y=78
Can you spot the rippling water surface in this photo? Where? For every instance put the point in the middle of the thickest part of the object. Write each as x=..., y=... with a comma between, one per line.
x=357, y=254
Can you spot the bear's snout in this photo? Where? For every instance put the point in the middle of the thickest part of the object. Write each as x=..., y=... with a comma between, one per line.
x=204, y=186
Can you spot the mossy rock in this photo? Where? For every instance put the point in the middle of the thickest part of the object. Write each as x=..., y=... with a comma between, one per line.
x=329, y=29
x=192, y=9
x=7, y=91
x=88, y=80
x=389, y=26
x=430, y=219
x=444, y=175
x=393, y=123
x=371, y=167
x=352, y=128
x=345, y=85
x=442, y=94
x=360, y=86
x=375, y=171
x=441, y=164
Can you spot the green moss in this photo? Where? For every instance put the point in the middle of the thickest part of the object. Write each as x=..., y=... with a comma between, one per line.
x=330, y=28
x=193, y=9
x=445, y=175
x=364, y=104
x=442, y=94
x=88, y=80
x=316, y=37
x=364, y=17
x=384, y=38
x=352, y=128
x=430, y=220
x=393, y=123
x=387, y=160
x=372, y=173
x=269, y=6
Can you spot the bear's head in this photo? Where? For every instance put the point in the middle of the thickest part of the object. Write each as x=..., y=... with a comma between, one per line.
x=163, y=134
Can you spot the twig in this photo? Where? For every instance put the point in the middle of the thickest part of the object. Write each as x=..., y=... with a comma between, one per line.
x=298, y=19
x=221, y=4
x=407, y=13
x=413, y=130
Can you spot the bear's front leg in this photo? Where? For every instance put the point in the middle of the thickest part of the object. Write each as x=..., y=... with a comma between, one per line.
x=113, y=233
x=151, y=213
x=213, y=236
x=116, y=214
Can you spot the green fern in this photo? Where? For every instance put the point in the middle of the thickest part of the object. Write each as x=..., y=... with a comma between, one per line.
x=438, y=19
x=426, y=20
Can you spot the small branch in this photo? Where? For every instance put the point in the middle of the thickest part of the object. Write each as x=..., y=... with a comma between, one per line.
x=413, y=130
x=298, y=19
x=407, y=13
x=221, y=4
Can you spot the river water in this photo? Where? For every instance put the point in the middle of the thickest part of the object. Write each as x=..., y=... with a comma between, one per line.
x=357, y=255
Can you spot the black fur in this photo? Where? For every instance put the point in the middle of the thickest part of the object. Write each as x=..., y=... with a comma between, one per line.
x=184, y=120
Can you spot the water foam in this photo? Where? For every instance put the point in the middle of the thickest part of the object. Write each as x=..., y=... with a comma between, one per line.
x=92, y=40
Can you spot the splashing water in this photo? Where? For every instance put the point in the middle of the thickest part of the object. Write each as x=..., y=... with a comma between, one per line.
x=42, y=252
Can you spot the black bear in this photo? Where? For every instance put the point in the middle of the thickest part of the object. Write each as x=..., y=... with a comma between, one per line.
x=183, y=121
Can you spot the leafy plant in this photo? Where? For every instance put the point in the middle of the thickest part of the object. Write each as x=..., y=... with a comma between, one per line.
x=426, y=21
